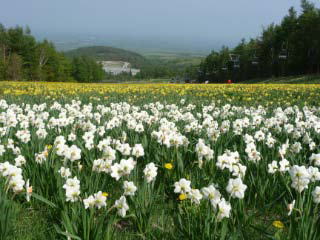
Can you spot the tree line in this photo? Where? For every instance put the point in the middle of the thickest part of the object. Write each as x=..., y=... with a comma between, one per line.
x=289, y=48
x=22, y=58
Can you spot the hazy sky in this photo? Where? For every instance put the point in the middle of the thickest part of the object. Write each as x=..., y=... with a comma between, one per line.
x=202, y=20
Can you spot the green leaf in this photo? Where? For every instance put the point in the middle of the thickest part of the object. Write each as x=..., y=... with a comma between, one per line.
x=66, y=234
x=42, y=199
x=224, y=230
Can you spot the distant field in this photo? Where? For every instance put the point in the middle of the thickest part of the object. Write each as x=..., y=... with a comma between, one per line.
x=172, y=57
x=289, y=80
x=144, y=81
x=172, y=54
x=176, y=58
x=309, y=79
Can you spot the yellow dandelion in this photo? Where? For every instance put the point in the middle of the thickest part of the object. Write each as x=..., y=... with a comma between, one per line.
x=278, y=224
x=182, y=197
x=105, y=194
x=168, y=166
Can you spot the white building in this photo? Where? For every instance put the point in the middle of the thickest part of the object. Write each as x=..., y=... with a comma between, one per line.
x=118, y=67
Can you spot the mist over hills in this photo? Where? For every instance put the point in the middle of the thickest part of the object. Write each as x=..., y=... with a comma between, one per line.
x=144, y=26
x=140, y=44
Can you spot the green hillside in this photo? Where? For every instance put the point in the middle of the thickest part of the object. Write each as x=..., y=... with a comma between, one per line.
x=174, y=60
x=103, y=53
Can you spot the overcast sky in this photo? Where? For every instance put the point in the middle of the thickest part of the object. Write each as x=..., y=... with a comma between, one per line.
x=203, y=20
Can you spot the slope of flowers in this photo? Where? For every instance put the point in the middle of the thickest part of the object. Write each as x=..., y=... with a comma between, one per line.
x=269, y=93
x=126, y=163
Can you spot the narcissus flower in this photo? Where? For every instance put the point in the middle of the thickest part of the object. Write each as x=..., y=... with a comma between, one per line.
x=122, y=206
x=89, y=202
x=316, y=195
x=212, y=194
x=290, y=207
x=100, y=199
x=72, y=187
x=195, y=196
x=150, y=172
x=183, y=186
x=224, y=209
x=28, y=190
x=236, y=188
x=129, y=188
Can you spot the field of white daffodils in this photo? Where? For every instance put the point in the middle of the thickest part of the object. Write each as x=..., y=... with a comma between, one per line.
x=82, y=168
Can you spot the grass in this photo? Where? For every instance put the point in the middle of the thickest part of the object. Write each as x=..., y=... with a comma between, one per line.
x=32, y=224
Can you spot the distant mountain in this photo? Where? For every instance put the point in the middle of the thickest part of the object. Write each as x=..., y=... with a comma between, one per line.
x=104, y=53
